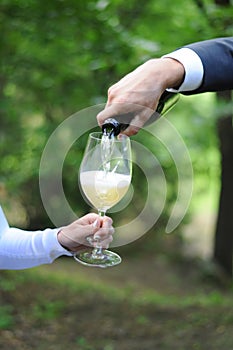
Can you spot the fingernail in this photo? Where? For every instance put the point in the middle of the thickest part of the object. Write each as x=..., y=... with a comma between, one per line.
x=89, y=239
x=95, y=223
x=96, y=238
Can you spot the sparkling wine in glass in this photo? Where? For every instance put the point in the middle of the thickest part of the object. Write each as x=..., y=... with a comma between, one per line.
x=105, y=176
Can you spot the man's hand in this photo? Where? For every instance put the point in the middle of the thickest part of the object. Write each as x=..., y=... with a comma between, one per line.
x=138, y=93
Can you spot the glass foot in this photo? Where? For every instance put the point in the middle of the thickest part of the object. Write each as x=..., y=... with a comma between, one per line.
x=107, y=259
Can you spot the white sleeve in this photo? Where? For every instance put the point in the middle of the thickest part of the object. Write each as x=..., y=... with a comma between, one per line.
x=193, y=66
x=21, y=249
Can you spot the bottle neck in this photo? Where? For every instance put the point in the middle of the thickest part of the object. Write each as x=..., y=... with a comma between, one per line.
x=112, y=127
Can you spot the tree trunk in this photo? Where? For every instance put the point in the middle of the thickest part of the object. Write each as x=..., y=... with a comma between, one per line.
x=223, y=247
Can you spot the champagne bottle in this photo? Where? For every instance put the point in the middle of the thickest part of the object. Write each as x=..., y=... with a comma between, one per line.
x=113, y=126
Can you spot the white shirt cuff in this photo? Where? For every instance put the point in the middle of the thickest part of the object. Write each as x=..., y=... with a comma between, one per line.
x=193, y=69
x=53, y=244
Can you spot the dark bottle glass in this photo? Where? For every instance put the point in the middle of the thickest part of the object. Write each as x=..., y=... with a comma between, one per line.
x=113, y=126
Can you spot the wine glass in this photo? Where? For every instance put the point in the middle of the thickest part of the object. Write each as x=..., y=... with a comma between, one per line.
x=104, y=176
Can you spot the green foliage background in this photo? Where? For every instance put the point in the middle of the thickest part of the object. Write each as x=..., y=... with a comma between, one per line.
x=58, y=57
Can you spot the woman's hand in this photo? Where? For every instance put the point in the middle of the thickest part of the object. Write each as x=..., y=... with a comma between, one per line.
x=90, y=227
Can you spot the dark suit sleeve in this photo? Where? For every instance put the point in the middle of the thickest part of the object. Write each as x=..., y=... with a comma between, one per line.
x=217, y=59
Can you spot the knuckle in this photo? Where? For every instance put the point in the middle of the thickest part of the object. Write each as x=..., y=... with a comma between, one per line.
x=113, y=93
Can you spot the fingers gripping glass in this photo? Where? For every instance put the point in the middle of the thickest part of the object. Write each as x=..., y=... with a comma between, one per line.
x=105, y=176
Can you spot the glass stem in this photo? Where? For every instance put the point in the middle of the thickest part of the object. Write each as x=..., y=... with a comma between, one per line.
x=97, y=252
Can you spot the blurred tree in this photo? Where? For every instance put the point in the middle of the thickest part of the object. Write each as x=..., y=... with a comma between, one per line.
x=218, y=14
